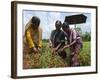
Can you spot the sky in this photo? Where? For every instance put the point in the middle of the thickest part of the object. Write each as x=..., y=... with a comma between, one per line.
x=48, y=19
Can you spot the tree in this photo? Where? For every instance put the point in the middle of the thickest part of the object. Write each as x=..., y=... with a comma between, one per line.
x=86, y=36
x=78, y=29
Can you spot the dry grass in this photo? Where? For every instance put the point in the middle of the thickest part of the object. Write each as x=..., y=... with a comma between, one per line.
x=46, y=60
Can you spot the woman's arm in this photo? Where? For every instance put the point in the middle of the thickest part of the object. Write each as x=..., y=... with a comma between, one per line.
x=68, y=45
x=29, y=39
x=40, y=38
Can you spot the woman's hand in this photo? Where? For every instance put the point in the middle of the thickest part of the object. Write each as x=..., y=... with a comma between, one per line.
x=54, y=50
x=35, y=50
x=67, y=46
x=39, y=49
